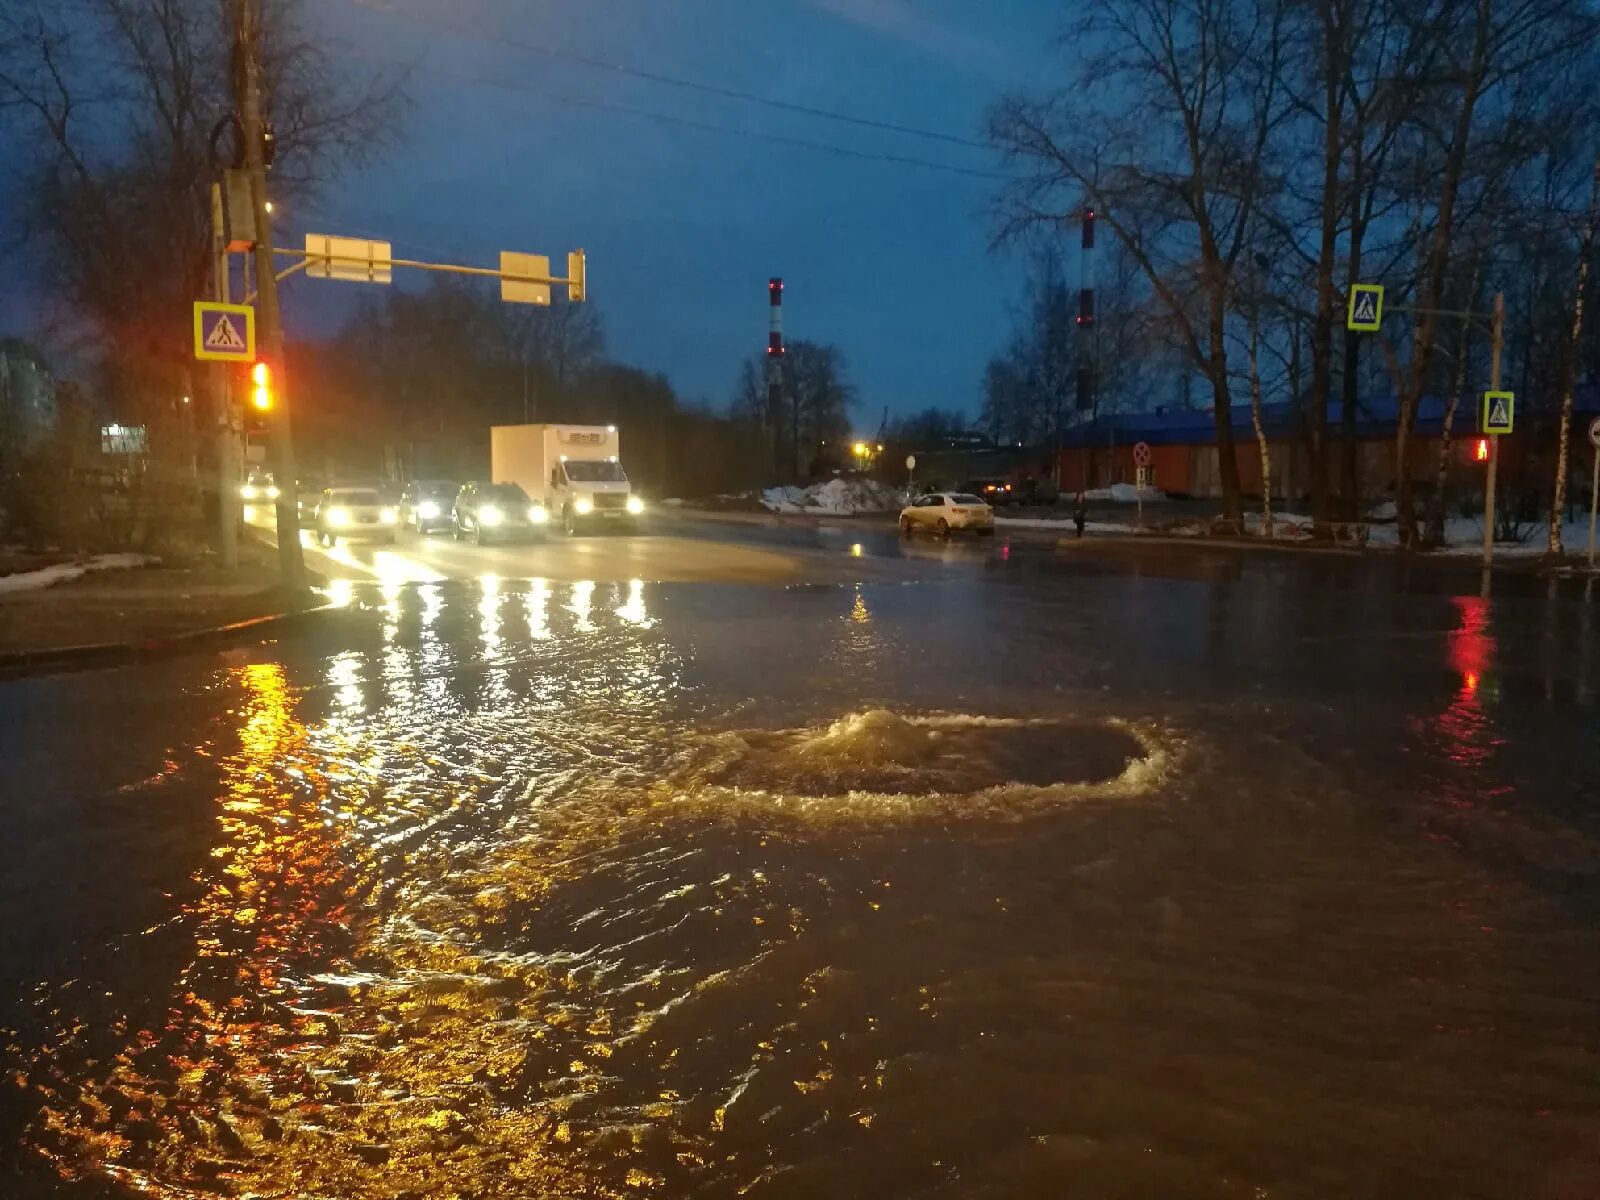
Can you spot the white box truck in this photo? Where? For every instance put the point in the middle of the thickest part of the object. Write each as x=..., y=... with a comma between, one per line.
x=575, y=471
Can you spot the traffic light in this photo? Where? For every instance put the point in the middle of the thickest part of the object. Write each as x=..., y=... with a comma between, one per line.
x=1480, y=450
x=577, y=277
x=261, y=394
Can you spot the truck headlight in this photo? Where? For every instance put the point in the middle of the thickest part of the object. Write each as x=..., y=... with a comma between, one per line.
x=490, y=515
x=247, y=491
x=583, y=506
x=428, y=510
x=635, y=505
x=388, y=516
x=538, y=514
x=338, y=516
x=272, y=491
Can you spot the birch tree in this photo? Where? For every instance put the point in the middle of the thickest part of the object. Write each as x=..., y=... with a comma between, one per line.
x=1162, y=126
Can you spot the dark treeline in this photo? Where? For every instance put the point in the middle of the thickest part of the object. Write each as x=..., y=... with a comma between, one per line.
x=414, y=380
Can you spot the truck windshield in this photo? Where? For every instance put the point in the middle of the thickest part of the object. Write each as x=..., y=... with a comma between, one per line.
x=603, y=470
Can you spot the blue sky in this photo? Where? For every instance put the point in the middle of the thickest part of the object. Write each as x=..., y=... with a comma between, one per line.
x=683, y=226
x=504, y=148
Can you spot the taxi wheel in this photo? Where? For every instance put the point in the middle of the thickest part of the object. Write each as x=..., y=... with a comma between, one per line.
x=944, y=528
x=905, y=528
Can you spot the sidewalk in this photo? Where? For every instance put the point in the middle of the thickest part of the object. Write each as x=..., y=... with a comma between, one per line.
x=124, y=611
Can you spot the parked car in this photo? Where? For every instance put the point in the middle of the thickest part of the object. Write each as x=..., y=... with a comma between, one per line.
x=484, y=511
x=354, y=512
x=428, y=504
x=990, y=491
x=946, y=512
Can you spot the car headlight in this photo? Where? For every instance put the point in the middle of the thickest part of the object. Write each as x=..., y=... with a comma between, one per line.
x=388, y=516
x=247, y=492
x=489, y=515
x=338, y=516
x=272, y=491
x=583, y=506
x=635, y=505
x=538, y=515
x=428, y=510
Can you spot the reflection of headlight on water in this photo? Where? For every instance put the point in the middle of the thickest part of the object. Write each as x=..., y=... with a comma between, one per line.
x=583, y=506
x=537, y=514
x=490, y=515
x=338, y=516
x=635, y=506
x=428, y=510
x=388, y=516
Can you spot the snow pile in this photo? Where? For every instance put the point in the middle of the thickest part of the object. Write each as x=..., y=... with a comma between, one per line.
x=1385, y=511
x=25, y=581
x=1284, y=525
x=1065, y=528
x=673, y=503
x=1122, y=493
x=837, y=497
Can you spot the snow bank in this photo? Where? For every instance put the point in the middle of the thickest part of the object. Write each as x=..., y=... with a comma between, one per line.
x=25, y=581
x=837, y=497
x=1065, y=528
x=1121, y=493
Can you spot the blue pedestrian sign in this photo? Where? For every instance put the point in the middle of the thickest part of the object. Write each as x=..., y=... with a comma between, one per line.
x=224, y=332
x=1366, y=308
x=1498, y=411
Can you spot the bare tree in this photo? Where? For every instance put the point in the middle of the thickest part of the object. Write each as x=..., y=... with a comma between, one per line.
x=1163, y=129
x=111, y=105
x=1558, y=494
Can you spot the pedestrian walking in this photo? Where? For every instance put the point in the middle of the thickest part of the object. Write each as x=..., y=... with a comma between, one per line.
x=1080, y=511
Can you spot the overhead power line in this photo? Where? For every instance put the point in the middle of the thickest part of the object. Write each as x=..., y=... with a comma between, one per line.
x=710, y=89
x=705, y=126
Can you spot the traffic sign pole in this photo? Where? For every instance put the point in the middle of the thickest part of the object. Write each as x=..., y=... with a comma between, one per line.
x=227, y=466
x=1494, y=439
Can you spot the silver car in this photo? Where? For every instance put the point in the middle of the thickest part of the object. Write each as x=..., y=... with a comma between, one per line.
x=353, y=512
x=945, y=513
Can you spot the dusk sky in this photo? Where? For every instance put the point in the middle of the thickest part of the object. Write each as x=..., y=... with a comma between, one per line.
x=506, y=149
x=509, y=146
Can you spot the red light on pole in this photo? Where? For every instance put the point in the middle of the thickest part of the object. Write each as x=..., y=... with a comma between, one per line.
x=1480, y=451
x=261, y=394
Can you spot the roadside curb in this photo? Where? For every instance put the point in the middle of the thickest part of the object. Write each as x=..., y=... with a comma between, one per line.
x=17, y=664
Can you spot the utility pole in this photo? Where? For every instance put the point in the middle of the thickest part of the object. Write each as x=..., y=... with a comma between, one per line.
x=775, y=353
x=1498, y=340
x=227, y=464
x=1088, y=358
x=280, y=443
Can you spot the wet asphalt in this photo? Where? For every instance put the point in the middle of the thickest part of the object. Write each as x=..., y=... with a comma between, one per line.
x=770, y=859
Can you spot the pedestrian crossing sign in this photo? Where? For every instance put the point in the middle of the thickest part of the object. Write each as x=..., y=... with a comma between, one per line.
x=1366, y=308
x=224, y=332
x=1498, y=411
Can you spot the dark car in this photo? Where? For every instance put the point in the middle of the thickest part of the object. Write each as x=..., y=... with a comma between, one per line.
x=485, y=511
x=427, y=505
x=994, y=492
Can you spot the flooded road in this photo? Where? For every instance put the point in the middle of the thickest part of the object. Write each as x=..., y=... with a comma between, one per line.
x=1009, y=877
